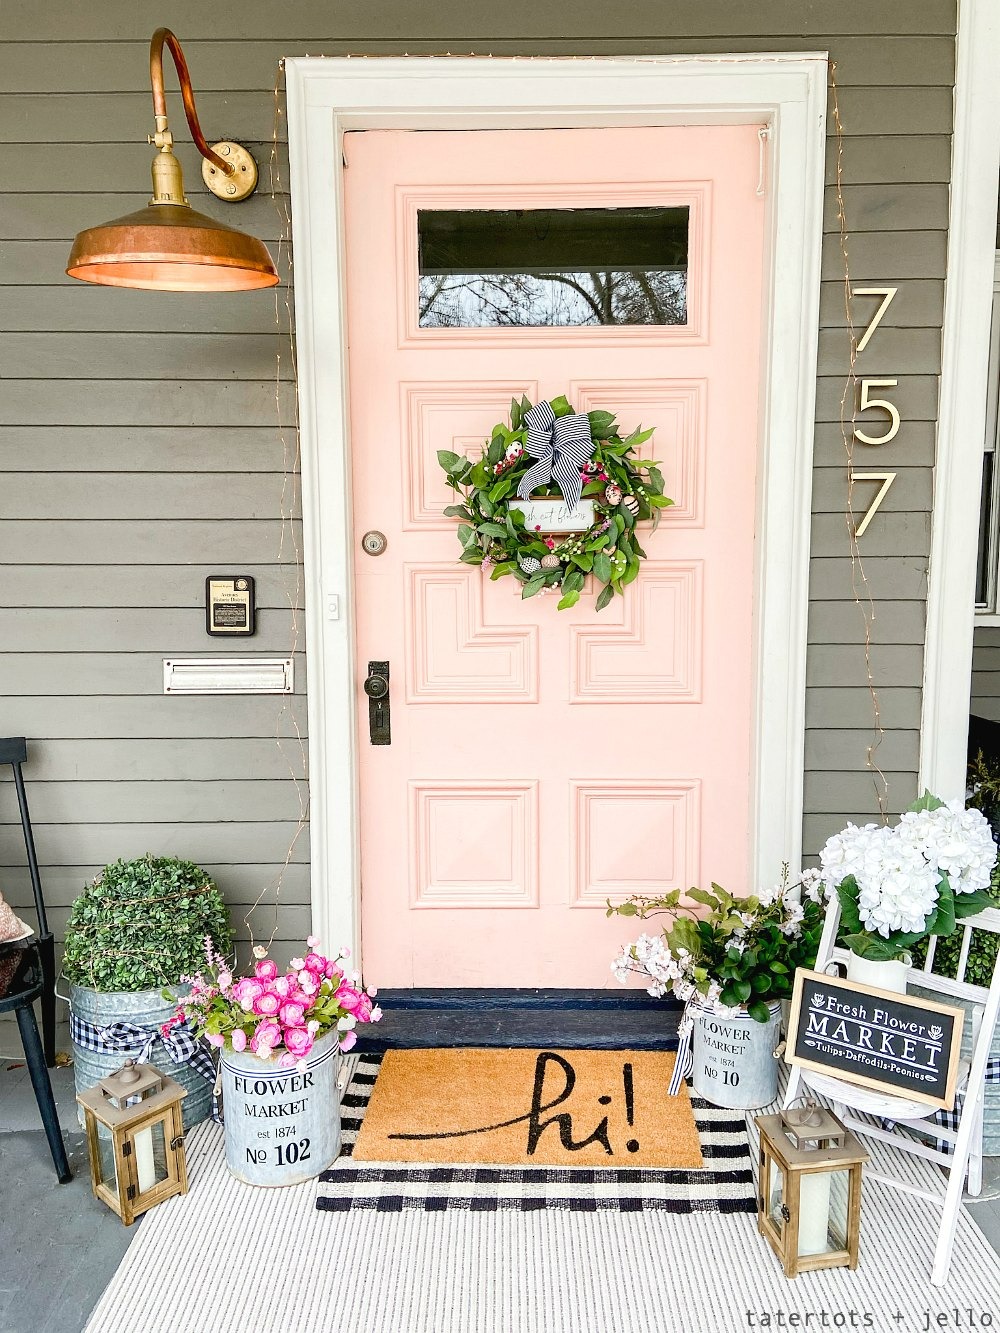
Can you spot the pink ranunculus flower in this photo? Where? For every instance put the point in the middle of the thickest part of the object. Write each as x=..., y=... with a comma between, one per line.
x=292, y=1015
x=267, y=1004
x=315, y=962
x=296, y=964
x=266, y=970
x=267, y=1035
x=376, y=1015
x=308, y=983
x=298, y=996
x=225, y=980
x=282, y=985
x=312, y=941
x=348, y=998
x=215, y=1039
x=288, y=1060
x=298, y=1041
x=348, y=1040
x=363, y=1012
x=312, y=1027
x=246, y=991
x=332, y=970
x=239, y=1039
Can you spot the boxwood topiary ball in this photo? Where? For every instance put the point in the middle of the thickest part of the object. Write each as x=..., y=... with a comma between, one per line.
x=142, y=924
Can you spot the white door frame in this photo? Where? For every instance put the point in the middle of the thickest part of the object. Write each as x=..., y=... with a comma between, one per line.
x=328, y=96
x=965, y=349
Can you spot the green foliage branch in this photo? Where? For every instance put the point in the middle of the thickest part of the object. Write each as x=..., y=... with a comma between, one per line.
x=761, y=969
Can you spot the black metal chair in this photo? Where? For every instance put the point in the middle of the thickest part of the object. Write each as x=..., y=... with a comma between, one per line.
x=28, y=973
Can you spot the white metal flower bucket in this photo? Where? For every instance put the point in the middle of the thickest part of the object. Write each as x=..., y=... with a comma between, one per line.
x=282, y=1125
x=734, y=1062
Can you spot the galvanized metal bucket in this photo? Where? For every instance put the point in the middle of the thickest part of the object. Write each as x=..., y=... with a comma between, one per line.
x=145, y=1009
x=282, y=1125
x=734, y=1062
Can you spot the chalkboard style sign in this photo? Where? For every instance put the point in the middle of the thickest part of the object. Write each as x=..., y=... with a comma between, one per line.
x=898, y=1044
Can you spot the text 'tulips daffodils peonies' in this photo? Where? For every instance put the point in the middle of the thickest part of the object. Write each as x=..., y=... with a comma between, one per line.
x=897, y=885
x=277, y=1015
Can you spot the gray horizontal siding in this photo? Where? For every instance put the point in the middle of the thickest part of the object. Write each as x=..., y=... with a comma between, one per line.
x=140, y=448
x=985, y=701
x=517, y=22
x=210, y=542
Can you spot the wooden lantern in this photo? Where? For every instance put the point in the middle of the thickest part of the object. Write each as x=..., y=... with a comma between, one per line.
x=809, y=1190
x=135, y=1135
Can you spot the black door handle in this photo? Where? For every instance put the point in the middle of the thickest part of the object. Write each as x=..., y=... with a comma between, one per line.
x=377, y=688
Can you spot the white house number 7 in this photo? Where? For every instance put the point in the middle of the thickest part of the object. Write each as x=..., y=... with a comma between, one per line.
x=867, y=401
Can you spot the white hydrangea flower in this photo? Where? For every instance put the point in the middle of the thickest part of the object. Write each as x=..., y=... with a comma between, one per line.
x=955, y=841
x=897, y=888
x=844, y=853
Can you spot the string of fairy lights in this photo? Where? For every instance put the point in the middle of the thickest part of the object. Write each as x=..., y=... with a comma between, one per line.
x=860, y=587
x=288, y=733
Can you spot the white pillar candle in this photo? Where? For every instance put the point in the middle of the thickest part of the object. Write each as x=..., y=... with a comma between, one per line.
x=814, y=1213
x=145, y=1167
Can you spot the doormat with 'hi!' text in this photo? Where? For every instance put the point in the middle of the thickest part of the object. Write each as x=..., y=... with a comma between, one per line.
x=723, y=1183
x=529, y=1108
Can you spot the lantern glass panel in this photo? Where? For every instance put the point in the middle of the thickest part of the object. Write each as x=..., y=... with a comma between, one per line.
x=150, y=1146
x=106, y=1156
x=823, y=1202
x=776, y=1196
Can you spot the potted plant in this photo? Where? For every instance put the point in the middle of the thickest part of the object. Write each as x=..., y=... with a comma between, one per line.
x=731, y=965
x=280, y=1035
x=138, y=927
x=898, y=885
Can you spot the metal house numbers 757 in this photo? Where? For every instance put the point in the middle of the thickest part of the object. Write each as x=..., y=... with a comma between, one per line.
x=867, y=401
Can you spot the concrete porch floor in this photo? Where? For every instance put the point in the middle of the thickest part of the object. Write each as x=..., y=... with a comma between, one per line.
x=60, y=1246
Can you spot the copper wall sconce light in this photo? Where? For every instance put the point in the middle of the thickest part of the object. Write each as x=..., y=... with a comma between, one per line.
x=167, y=246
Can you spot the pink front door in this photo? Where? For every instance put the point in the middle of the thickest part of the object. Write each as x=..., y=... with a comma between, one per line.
x=544, y=761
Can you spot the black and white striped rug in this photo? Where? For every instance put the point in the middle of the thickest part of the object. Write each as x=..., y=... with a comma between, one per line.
x=723, y=1185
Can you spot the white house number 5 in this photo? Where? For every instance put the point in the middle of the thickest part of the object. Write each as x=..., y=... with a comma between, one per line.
x=868, y=401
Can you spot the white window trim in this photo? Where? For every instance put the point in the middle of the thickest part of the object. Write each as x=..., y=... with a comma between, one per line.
x=988, y=614
x=328, y=96
x=972, y=218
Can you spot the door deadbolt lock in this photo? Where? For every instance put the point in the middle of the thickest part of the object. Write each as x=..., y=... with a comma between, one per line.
x=377, y=688
x=374, y=542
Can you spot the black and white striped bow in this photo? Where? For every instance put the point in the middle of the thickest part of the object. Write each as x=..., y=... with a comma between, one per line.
x=562, y=445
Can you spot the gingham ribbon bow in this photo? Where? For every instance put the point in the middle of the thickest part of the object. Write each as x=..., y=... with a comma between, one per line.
x=137, y=1042
x=561, y=445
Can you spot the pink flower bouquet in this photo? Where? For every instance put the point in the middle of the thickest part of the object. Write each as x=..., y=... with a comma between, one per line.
x=277, y=1014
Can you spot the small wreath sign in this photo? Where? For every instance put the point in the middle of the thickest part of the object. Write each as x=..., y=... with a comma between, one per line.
x=601, y=491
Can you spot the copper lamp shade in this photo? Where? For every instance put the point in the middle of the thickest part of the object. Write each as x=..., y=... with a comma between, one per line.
x=167, y=246
x=171, y=248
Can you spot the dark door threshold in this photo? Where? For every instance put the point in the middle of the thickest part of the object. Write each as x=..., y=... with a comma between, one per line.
x=574, y=1019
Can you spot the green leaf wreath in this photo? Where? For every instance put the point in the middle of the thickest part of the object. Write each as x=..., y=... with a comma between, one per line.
x=625, y=489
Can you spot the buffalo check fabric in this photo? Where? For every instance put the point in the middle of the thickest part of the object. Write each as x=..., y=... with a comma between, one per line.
x=950, y=1119
x=723, y=1185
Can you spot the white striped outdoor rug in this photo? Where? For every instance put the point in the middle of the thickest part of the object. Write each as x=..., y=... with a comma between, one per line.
x=724, y=1184
x=228, y=1257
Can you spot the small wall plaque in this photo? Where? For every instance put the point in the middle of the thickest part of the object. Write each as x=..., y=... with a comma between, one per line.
x=229, y=605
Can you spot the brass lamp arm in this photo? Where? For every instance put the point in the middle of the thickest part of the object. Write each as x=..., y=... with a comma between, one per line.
x=164, y=37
